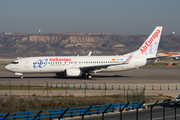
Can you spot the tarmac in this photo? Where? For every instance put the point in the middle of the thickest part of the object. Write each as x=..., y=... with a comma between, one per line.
x=155, y=80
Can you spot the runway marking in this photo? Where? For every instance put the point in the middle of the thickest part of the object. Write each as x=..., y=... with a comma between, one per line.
x=110, y=82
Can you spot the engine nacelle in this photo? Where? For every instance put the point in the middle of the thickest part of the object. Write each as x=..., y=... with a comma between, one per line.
x=73, y=72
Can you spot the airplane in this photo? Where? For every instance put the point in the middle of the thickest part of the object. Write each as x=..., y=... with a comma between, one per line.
x=173, y=55
x=83, y=66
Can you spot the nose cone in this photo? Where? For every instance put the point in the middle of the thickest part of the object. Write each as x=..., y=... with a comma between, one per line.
x=8, y=67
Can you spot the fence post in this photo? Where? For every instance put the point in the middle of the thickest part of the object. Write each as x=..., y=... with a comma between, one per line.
x=37, y=114
x=112, y=87
x=136, y=87
x=56, y=85
x=99, y=87
x=138, y=109
x=133, y=95
x=105, y=111
x=127, y=96
x=160, y=87
x=86, y=112
x=6, y=116
x=92, y=86
x=63, y=114
x=51, y=118
x=28, y=88
x=164, y=107
x=119, y=87
x=122, y=110
x=124, y=91
x=168, y=87
x=47, y=88
x=144, y=87
x=65, y=91
x=175, y=108
x=72, y=113
x=128, y=87
x=62, y=85
x=74, y=86
x=138, y=95
x=84, y=89
x=152, y=108
x=152, y=87
x=80, y=86
x=105, y=89
x=9, y=87
x=176, y=87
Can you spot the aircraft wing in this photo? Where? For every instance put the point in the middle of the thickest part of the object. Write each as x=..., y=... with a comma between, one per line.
x=97, y=67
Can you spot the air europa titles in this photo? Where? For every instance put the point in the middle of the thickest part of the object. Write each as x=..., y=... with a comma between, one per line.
x=148, y=43
x=59, y=59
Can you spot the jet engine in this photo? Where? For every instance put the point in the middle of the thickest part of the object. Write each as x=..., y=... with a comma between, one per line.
x=73, y=72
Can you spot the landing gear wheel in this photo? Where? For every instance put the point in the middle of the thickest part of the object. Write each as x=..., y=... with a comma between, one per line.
x=21, y=77
x=89, y=76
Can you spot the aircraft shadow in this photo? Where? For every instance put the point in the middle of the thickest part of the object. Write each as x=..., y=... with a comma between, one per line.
x=59, y=77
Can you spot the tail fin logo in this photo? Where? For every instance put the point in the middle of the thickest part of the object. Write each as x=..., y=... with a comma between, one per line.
x=151, y=49
x=149, y=42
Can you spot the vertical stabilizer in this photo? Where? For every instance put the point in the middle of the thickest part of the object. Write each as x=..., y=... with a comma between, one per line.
x=150, y=46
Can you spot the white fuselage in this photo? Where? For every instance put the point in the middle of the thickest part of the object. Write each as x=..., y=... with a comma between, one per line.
x=55, y=64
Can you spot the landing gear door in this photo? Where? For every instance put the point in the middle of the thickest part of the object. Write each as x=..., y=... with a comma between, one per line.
x=26, y=63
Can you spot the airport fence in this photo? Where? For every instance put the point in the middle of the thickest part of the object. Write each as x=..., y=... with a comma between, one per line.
x=72, y=112
x=93, y=110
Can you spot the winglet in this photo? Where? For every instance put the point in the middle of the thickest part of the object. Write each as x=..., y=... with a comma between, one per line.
x=128, y=59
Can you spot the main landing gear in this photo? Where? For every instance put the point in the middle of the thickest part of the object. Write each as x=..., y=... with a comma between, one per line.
x=21, y=77
x=87, y=76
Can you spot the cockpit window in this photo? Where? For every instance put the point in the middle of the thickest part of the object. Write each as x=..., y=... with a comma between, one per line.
x=15, y=62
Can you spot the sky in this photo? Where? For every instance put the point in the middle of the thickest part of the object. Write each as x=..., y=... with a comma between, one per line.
x=118, y=17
